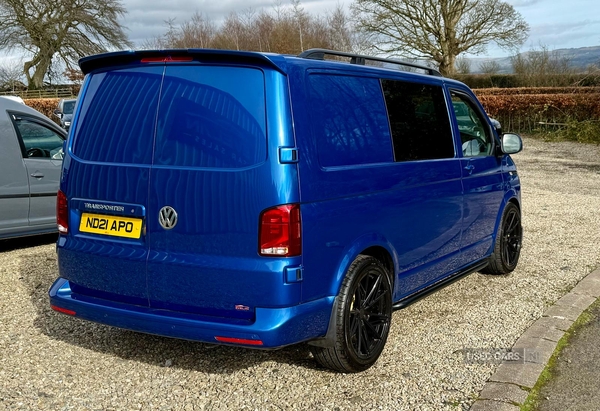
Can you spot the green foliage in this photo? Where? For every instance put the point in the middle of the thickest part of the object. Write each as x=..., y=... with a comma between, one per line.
x=580, y=131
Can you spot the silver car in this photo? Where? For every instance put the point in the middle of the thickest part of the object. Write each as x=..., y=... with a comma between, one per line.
x=30, y=162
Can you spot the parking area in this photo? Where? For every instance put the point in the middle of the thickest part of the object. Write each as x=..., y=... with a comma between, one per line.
x=51, y=361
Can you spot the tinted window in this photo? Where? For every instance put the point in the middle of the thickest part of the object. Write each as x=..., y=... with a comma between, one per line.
x=211, y=117
x=418, y=120
x=68, y=107
x=349, y=120
x=39, y=141
x=474, y=134
x=118, y=115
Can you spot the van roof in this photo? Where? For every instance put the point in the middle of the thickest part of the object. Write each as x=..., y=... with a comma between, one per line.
x=279, y=62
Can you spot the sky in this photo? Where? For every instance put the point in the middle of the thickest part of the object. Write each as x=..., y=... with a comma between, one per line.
x=553, y=23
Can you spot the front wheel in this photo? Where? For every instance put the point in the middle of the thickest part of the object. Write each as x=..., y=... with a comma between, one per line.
x=364, y=314
x=509, y=239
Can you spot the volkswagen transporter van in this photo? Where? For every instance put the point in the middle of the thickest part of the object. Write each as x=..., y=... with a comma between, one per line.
x=264, y=200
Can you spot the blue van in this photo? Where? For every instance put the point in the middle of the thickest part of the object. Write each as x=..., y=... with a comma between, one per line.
x=264, y=200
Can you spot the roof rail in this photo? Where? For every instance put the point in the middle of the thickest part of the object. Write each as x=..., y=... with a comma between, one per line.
x=319, y=54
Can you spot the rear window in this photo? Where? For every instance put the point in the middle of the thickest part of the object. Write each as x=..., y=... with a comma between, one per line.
x=189, y=116
x=118, y=115
x=211, y=117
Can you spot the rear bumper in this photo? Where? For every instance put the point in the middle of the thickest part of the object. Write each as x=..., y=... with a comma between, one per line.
x=274, y=327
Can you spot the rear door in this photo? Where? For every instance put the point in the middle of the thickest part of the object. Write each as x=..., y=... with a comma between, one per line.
x=107, y=181
x=208, y=184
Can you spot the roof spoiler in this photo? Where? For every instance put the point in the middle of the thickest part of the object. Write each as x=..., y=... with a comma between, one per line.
x=119, y=58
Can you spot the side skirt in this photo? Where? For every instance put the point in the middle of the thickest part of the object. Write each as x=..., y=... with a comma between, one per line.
x=413, y=298
x=328, y=341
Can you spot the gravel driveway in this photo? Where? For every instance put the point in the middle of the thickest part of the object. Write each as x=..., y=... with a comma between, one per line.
x=51, y=361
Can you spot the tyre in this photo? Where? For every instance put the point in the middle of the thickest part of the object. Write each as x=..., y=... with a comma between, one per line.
x=509, y=239
x=363, y=317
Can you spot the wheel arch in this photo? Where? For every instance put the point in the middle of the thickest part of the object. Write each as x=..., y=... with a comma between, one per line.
x=374, y=245
x=510, y=197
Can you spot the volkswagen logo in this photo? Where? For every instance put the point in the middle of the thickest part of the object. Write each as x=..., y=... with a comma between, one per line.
x=167, y=217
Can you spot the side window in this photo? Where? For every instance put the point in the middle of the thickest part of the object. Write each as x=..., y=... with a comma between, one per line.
x=38, y=140
x=418, y=120
x=474, y=133
x=349, y=120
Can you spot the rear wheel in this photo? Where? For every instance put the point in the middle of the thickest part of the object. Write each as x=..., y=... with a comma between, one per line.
x=509, y=239
x=364, y=314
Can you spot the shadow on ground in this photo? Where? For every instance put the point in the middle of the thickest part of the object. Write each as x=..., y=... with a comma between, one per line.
x=27, y=242
x=38, y=271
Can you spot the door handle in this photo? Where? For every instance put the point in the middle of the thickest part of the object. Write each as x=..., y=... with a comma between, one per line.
x=37, y=175
x=470, y=168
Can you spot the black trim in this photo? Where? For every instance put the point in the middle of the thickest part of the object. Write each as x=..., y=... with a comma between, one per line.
x=328, y=341
x=35, y=195
x=7, y=196
x=413, y=298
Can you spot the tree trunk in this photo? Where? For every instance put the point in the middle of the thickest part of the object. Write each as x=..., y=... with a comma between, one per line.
x=447, y=65
x=40, y=64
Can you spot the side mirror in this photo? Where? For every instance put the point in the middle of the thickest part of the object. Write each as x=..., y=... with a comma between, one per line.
x=511, y=143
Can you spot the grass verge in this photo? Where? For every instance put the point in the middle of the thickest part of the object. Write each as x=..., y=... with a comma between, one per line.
x=531, y=402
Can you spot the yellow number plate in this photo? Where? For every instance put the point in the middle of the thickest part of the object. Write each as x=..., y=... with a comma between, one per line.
x=111, y=225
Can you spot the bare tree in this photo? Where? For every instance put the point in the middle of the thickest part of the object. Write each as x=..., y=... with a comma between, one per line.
x=489, y=67
x=340, y=32
x=11, y=75
x=541, y=67
x=463, y=65
x=286, y=29
x=59, y=29
x=440, y=30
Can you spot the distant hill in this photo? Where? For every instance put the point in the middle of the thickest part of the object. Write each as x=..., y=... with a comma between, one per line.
x=579, y=58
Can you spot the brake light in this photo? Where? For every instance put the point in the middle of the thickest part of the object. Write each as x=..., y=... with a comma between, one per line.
x=281, y=231
x=62, y=213
x=167, y=59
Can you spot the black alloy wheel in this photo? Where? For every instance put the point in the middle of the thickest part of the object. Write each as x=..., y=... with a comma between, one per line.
x=508, y=245
x=363, y=318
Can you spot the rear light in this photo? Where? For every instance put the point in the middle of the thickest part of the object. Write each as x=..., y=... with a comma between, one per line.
x=62, y=213
x=238, y=341
x=281, y=231
x=62, y=310
x=167, y=59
